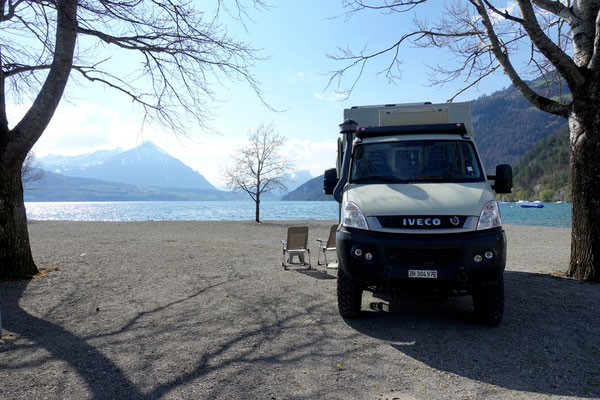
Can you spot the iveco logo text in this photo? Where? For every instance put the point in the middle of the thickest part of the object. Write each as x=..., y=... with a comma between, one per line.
x=421, y=221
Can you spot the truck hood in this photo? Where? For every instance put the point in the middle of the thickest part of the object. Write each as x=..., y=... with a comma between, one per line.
x=420, y=199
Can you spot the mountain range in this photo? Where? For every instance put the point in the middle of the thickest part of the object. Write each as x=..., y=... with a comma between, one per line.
x=145, y=172
x=507, y=130
x=146, y=165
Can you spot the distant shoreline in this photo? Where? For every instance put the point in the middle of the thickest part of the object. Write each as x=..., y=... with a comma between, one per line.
x=554, y=215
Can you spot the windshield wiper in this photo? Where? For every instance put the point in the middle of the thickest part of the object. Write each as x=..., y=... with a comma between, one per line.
x=431, y=177
x=379, y=178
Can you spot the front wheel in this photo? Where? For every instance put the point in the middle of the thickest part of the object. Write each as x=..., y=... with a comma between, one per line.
x=349, y=294
x=488, y=302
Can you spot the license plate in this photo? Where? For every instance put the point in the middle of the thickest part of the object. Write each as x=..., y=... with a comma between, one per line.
x=422, y=273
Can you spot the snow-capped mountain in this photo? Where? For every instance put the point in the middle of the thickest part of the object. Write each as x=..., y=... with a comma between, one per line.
x=298, y=178
x=63, y=164
x=293, y=181
x=146, y=165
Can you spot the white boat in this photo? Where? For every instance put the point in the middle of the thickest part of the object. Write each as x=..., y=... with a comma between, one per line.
x=532, y=204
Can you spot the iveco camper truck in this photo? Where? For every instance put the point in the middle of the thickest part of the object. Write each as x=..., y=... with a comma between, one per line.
x=418, y=216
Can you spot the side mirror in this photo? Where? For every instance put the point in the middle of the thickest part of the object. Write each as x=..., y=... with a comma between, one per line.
x=503, y=180
x=330, y=180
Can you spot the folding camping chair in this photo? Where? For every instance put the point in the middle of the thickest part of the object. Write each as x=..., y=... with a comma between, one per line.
x=296, y=245
x=325, y=246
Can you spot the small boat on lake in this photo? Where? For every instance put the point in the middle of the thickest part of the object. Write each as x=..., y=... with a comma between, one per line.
x=531, y=204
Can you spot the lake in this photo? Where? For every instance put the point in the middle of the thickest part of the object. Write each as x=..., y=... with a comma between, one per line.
x=554, y=215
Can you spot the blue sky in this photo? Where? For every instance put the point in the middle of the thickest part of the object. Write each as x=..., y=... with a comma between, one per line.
x=296, y=35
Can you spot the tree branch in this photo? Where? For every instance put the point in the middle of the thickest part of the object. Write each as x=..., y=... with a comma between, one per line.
x=541, y=102
x=594, y=63
x=556, y=8
x=37, y=118
x=561, y=61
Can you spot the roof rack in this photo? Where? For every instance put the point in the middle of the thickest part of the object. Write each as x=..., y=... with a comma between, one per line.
x=374, y=131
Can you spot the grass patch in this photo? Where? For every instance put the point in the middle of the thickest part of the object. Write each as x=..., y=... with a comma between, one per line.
x=44, y=272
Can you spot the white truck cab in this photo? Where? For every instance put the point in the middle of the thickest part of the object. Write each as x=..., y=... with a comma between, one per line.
x=418, y=215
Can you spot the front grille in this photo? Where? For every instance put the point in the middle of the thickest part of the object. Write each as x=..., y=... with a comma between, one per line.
x=424, y=258
x=422, y=221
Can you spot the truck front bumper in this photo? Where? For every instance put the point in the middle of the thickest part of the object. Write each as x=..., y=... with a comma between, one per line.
x=461, y=260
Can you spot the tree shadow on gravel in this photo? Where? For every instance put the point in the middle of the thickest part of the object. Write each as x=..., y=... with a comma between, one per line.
x=548, y=342
x=104, y=378
x=90, y=364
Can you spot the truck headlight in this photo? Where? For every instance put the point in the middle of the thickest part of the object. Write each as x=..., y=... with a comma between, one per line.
x=352, y=216
x=490, y=216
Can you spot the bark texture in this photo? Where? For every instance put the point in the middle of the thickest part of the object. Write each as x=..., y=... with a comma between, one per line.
x=16, y=260
x=584, y=124
x=257, y=213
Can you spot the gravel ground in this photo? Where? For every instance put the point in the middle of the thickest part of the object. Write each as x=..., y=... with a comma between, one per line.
x=203, y=310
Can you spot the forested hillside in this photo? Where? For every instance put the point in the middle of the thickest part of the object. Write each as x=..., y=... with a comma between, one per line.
x=543, y=171
x=506, y=125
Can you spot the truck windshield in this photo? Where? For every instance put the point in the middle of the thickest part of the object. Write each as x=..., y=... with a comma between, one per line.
x=416, y=161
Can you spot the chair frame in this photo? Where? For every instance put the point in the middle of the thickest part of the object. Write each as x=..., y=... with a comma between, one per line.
x=327, y=245
x=300, y=252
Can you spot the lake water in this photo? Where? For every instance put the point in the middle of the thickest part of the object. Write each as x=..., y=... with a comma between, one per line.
x=555, y=215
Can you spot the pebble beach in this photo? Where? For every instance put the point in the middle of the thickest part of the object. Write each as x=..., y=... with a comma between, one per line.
x=204, y=310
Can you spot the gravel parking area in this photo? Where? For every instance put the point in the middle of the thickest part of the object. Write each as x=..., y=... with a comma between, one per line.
x=203, y=310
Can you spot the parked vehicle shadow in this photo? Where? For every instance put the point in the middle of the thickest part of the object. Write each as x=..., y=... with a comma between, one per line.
x=548, y=342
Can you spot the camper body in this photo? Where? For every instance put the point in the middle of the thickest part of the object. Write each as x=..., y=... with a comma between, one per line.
x=418, y=216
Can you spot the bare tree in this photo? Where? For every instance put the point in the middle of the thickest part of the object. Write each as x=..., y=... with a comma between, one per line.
x=562, y=39
x=31, y=170
x=174, y=53
x=259, y=167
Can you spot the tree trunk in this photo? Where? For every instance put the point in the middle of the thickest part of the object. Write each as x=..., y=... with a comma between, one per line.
x=584, y=124
x=15, y=254
x=257, y=218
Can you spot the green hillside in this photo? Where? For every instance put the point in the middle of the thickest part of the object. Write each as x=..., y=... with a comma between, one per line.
x=542, y=173
x=506, y=125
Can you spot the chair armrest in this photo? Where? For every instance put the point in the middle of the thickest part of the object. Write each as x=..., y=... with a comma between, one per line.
x=284, y=242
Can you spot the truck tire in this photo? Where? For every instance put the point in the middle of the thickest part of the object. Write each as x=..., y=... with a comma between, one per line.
x=488, y=302
x=349, y=294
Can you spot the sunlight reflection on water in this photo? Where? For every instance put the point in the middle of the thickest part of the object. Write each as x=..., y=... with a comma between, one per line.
x=555, y=215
